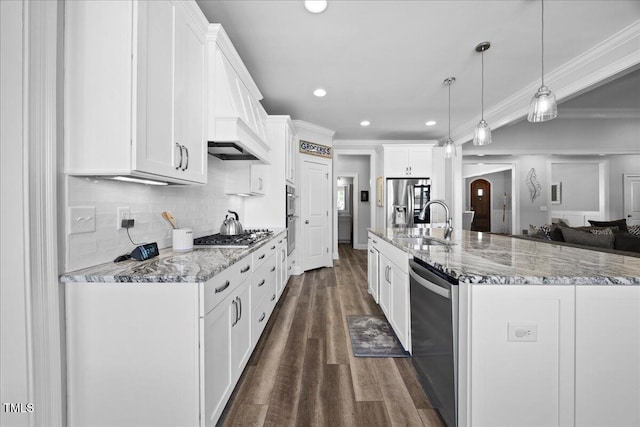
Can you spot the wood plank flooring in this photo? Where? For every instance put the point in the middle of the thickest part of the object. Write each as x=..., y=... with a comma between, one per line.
x=303, y=373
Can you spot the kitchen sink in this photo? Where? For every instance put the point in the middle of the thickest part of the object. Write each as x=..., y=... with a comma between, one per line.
x=423, y=241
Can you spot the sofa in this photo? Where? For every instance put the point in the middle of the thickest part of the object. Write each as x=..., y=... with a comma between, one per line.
x=604, y=236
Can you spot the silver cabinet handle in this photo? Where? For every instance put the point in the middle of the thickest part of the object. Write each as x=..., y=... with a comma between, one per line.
x=262, y=256
x=306, y=221
x=261, y=283
x=240, y=310
x=259, y=183
x=186, y=166
x=244, y=270
x=179, y=164
x=262, y=317
x=273, y=247
x=280, y=241
x=375, y=241
x=273, y=297
x=223, y=287
x=371, y=250
x=235, y=306
x=273, y=269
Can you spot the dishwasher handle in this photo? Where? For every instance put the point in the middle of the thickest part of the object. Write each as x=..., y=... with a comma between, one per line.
x=443, y=292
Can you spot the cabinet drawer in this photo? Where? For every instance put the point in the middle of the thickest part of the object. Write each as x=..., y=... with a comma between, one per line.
x=261, y=315
x=263, y=253
x=222, y=284
x=263, y=281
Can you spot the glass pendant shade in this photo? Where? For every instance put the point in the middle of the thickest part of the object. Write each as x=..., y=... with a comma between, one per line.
x=449, y=149
x=482, y=135
x=543, y=106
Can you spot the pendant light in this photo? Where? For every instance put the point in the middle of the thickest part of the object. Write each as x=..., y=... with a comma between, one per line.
x=543, y=105
x=482, y=135
x=449, y=146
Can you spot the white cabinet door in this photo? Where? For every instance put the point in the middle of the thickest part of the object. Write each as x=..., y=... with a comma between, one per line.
x=607, y=355
x=385, y=285
x=373, y=268
x=509, y=376
x=419, y=159
x=282, y=267
x=155, y=149
x=291, y=147
x=400, y=315
x=190, y=98
x=218, y=380
x=241, y=340
x=396, y=162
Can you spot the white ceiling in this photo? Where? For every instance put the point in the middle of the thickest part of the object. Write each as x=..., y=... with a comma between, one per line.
x=385, y=61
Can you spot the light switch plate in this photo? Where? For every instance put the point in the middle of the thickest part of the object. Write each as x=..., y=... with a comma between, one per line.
x=82, y=219
x=527, y=332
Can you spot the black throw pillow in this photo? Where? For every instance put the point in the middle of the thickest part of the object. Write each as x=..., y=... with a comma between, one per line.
x=620, y=223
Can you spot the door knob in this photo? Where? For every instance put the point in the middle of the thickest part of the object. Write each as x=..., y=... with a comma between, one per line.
x=629, y=216
x=306, y=221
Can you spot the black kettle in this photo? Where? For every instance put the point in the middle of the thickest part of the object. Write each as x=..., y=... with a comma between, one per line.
x=231, y=225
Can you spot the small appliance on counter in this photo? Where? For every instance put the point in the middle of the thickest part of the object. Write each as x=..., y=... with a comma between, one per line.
x=231, y=226
x=232, y=241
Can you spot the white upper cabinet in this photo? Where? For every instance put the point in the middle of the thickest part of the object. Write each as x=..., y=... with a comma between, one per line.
x=135, y=90
x=291, y=147
x=245, y=179
x=235, y=114
x=407, y=161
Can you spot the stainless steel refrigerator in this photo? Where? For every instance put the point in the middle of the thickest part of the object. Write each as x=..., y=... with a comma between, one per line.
x=404, y=200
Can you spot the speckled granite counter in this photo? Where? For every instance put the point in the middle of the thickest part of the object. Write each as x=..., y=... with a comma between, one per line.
x=495, y=259
x=198, y=265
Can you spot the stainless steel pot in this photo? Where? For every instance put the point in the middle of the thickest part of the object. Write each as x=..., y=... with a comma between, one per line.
x=231, y=225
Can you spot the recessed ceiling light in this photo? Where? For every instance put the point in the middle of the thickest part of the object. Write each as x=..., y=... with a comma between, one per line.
x=315, y=6
x=319, y=92
x=481, y=155
x=365, y=123
x=431, y=123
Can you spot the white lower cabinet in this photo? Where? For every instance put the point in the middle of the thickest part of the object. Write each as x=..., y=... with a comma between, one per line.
x=373, y=261
x=388, y=270
x=166, y=354
x=283, y=273
x=607, y=356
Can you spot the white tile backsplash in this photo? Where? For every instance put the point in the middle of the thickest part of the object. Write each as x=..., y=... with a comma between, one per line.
x=201, y=207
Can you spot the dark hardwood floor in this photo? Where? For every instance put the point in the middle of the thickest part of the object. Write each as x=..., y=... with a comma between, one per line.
x=303, y=373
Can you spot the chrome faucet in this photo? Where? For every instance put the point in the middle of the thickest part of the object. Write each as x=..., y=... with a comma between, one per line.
x=449, y=228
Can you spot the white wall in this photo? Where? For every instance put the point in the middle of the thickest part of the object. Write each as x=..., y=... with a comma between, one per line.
x=359, y=165
x=201, y=208
x=579, y=186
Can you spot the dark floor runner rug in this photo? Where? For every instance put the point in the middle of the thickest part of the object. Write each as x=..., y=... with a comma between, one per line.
x=372, y=336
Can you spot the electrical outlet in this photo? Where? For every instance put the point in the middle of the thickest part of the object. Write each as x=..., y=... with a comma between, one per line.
x=522, y=332
x=122, y=213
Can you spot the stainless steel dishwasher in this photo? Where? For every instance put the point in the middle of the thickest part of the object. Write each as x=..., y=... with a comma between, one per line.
x=434, y=335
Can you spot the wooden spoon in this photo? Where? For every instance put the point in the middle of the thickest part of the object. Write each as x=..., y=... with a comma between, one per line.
x=170, y=219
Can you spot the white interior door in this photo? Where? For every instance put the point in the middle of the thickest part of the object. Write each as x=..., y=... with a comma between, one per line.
x=315, y=215
x=632, y=199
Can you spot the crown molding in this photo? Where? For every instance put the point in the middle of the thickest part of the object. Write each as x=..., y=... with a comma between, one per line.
x=196, y=14
x=596, y=113
x=488, y=152
x=216, y=34
x=606, y=59
x=301, y=124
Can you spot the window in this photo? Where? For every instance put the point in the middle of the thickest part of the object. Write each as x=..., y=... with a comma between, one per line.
x=342, y=202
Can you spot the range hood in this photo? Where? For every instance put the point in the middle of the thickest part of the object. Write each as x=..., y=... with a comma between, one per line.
x=229, y=151
x=236, y=117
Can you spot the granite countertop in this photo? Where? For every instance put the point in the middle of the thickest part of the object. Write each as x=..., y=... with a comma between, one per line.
x=485, y=258
x=198, y=265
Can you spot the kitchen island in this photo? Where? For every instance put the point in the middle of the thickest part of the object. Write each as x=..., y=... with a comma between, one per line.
x=576, y=362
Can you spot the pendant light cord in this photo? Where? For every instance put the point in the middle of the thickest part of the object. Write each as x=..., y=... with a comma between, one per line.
x=450, y=109
x=542, y=41
x=482, y=90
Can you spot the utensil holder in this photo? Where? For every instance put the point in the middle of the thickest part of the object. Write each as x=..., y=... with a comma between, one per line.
x=182, y=239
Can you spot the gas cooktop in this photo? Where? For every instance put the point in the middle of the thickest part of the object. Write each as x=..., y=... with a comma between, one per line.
x=234, y=241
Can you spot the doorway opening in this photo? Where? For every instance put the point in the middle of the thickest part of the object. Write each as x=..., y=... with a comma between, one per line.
x=346, y=207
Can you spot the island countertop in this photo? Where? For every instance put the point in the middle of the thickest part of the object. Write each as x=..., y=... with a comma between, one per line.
x=197, y=265
x=484, y=258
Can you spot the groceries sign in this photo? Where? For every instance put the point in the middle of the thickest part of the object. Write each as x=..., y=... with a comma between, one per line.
x=307, y=147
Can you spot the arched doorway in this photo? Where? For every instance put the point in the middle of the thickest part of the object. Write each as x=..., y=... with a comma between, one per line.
x=481, y=204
